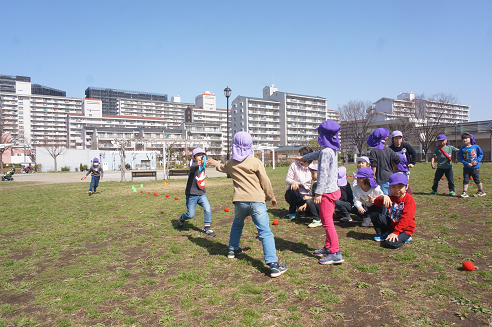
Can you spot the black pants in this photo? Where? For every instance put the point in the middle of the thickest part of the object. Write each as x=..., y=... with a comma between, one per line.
x=345, y=208
x=449, y=176
x=473, y=172
x=294, y=199
x=382, y=225
x=313, y=208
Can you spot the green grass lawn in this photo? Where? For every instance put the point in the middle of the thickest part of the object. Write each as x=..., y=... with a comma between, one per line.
x=117, y=258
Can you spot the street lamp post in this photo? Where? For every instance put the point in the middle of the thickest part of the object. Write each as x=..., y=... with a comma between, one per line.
x=227, y=93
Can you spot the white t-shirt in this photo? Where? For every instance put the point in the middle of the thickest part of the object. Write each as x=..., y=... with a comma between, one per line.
x=361, y=196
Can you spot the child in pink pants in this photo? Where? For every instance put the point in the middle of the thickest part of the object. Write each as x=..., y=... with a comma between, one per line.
x=327, y=191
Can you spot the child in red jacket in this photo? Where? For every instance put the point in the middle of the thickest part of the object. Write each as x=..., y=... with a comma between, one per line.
x=398, y=224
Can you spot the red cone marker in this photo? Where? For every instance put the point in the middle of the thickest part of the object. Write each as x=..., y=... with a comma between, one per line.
x=275, y=222
x=468, y=266
x=167, y=195
x=226, y=209
x=176, y=198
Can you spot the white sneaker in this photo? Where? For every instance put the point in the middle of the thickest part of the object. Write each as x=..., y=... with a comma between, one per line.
x=315, y=223
x=346, y=218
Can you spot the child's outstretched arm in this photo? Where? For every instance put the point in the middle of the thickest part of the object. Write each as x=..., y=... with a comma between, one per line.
x=217, y=164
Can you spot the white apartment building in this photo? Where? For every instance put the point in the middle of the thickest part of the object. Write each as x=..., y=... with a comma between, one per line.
x=405, y=103
x=280, y=118
x=207, y=136
x=205, y=111
x=259, y=117
x=171, y=111
x=31, y=118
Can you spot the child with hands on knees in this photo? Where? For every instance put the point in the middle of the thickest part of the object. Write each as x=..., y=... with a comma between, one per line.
x=365, y=189
x=398, y=224
x=251, y=188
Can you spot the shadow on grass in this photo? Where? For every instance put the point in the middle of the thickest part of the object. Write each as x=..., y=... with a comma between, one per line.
x=361, y=236
x=431, y=195
x=279, y=213
x=222, y=249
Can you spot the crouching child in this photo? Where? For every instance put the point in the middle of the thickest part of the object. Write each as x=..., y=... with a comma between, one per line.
x=398, y=224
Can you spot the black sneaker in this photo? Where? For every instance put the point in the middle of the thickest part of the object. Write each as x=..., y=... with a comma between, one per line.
x=181, y=222
x=209, y=232
x=233, y=253
x=277, y=269
x=322, y=251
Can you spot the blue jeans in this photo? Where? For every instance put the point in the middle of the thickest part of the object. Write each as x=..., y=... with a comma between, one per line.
x=384, y=187
x=201, y=200
x=94, y=183
x=258, y=213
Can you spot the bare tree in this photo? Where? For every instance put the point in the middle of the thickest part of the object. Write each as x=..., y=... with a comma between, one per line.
x=429, y=116
x=122, y=144
x=54, y=148
x=313, y=144
x=356, y=118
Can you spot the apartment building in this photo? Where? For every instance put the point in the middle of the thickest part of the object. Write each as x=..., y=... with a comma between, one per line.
x=205, y=111
x=171, y=111
x=406, y=103
x=110, y=97
x=31, y=118
x=280, y=118
x=259, y=117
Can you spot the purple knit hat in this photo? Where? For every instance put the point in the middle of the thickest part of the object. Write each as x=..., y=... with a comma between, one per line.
x=328, y=134
x=342, y=176
x=197, y=150
x=441, y=137
x=369, y=173
x=241, y=146
x=95, y=160
x=402, y=166
x=398, y=179
x=470, y=135
x=376, y=139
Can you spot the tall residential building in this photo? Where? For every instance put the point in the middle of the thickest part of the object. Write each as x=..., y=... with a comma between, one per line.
x=110, y=97
x=280, y=118
x=406, y=103
x=205, y=111
x=30, y=118
x=172, y=112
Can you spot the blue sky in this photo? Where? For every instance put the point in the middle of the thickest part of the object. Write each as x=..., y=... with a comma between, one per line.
x=340, y=50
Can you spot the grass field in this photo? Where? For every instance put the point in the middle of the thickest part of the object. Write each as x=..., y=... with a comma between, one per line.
x=117, y=258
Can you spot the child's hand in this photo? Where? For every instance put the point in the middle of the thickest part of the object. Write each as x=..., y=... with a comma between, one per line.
x=83, y=178
x=432, y=165
x=411, y=166
x=306, y=197
x=474, y=163
x=387, y=201
x=212, y=162
x=303, y=207
x=274, y=202
x=317, y=199
x=371, y=199
x=294, y=186
x=392, y=237
x=361, y=210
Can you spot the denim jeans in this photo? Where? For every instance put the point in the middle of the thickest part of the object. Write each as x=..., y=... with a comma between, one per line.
x=258, y=213
x=345, y=208
x=94, y=183
x=384, y=187
x=201, y=200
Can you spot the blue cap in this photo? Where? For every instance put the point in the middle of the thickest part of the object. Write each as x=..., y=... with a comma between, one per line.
x=398, y=178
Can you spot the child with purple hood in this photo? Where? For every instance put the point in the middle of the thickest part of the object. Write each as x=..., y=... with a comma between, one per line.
x=365, y=189
x=381, y=157
x=251, y=188
x=97, y=174
x=327, y=191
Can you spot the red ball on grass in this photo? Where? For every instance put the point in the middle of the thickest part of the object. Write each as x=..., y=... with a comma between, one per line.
x=425, y=177
x=350, y=175
x=442, y=178
x=148, y=192
x=275, y=222
x=176, y=198
x=468, y=266
x=156, y=194
x=167, y=195
x=226, y=209
x=460, y=177
x=483, y=179
x=247, y=217
x=141, y=191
